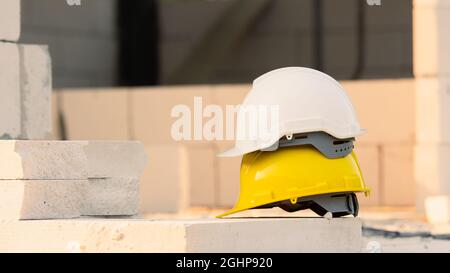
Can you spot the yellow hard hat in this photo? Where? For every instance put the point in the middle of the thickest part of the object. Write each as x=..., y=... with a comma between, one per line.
x=300, y=177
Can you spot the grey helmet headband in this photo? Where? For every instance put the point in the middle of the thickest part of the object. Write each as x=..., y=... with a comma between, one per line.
x=328, y=145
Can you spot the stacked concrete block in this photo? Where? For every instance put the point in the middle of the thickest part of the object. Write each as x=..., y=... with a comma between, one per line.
x=40, y=199
x=41, y=179
x=432, y=71
x=68, y=179
x=113, y=174
x=25, y=81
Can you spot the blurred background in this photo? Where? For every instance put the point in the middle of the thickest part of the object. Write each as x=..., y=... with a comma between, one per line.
x=163, y=42
x=120, y=66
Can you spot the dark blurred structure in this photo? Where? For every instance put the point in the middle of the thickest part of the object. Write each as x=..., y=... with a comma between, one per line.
x=139, y=40
x=146, y=42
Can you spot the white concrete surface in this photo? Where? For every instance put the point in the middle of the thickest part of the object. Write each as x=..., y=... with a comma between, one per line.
x=40, y=199
x=115, y=159
x=42, y=160
x=111, y=196
x=10, y=20
x=35, y=88
x=231, y=235
x=10, y=110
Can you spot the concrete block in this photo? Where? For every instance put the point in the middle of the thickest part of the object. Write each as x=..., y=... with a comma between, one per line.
x=25, y=80
x=389, y=125
x=433, y=110
x=40, y=199
x=369, y=162
x=10, y=20
x=437, y=209
x=110, y=196
x=231, y=235
x=151, y=112
x=431, y=171
x=41, y=160
x=36, y=89
x=115, y=159
x=202, y=176
x=96, y=114
x=431, y=38
x=10, y=110
x=165, y=181
x=397, y=175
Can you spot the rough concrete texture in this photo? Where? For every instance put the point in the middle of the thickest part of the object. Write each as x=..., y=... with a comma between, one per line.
x=10, y=111
x=40, y=199
x=42, y=160
x=35, y=88
x=115, y=159
x=25, y=99
x=10, y=20
x=111, y=196
x=232, y=235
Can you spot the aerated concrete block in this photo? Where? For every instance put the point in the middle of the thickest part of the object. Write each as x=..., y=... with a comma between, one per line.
x=36, y=90
x=397, y=175
x=431, y=171
x=431, y=38
x=10, y=20
x=42, y=160
x=224, y=235
x=115, y=159
x=111, y=196
x=10, y=109
x=96, y=114
x=25, y=97
x=433, y=110
x=40, y=199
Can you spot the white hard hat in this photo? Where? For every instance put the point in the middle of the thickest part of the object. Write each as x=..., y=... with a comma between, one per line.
x=307, y=101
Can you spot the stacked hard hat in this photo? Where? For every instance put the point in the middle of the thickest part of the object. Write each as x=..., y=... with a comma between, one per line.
x=308, y=161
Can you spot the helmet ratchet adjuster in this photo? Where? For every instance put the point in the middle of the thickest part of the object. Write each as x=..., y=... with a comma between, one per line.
x=328, y=145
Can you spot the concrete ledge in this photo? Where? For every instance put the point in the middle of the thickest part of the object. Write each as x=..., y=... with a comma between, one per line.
x=230, y=235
